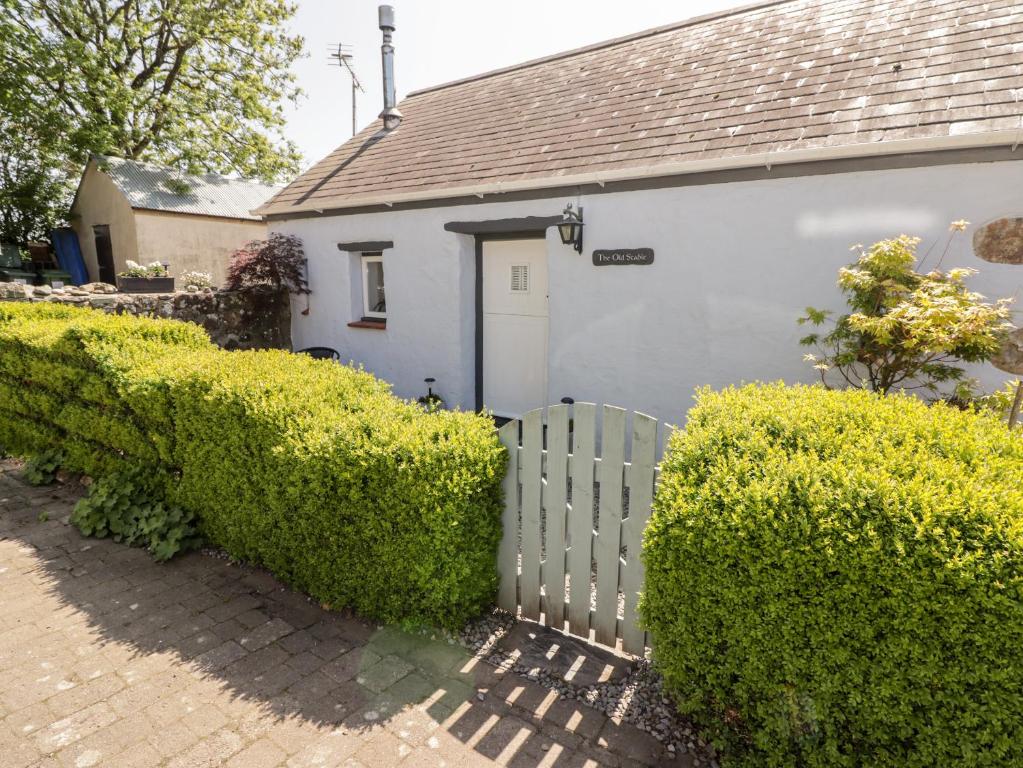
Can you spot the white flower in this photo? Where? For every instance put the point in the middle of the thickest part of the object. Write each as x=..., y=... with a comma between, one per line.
x=198, y=279
x=959, y=225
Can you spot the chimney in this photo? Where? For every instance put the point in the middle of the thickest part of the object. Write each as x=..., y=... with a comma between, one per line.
x=391, y=116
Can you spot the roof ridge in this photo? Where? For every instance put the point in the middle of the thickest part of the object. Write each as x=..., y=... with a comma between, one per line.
x=690, y=22
x=167, y=169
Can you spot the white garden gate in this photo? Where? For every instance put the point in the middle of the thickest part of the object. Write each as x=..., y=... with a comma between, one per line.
x=573, y=521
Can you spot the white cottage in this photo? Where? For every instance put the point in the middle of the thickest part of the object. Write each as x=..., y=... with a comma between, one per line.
x=723, y=166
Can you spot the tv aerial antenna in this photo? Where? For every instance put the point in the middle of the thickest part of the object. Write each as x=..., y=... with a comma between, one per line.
x=341, y=56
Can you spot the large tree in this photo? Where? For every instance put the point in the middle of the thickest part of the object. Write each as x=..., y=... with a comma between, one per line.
x=33, y=193
x=195, y=84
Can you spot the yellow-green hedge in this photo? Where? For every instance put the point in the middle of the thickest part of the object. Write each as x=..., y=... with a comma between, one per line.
x=307, y=467
x=836, y=579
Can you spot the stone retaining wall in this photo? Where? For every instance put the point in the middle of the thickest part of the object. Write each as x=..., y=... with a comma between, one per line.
x=234, y=319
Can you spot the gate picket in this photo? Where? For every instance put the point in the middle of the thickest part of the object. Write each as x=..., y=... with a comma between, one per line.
x=609, y=525
x=508, y=551
x=641, y=495
x=531, y=475
x=546, y=537
x=555, y=506
x=580, y=525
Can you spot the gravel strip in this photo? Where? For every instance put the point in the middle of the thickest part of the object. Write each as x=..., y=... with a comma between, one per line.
x=638, y=698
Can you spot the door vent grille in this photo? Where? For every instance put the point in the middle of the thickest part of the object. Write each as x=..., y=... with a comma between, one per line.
x=520, y=278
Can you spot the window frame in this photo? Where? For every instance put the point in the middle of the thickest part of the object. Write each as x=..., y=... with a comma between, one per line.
x=365, y=260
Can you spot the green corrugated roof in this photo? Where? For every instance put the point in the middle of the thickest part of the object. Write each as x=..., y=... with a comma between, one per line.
x=153, y=188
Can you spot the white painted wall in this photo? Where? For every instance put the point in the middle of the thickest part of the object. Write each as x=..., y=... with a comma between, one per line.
x=190, y=243
x=735, y=266
x=98, y=202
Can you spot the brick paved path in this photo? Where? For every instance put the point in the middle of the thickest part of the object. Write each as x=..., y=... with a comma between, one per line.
x=108, y=659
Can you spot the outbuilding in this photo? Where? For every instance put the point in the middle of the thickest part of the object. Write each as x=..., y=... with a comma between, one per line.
x=720, y=167
x=125, y=210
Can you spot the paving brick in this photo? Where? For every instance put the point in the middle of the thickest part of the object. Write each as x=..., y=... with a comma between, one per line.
x=261, y=754
x=252, y=618
x=330, y=749
x=16, y=751
x=233, y=607
x=204, y=720
x=27, y=720
x=412, y=726
x=331, y=648
x=348, y=666
x=220, y=656
x=81, y=696
x=295, y=734
x=276, y=680
x=172, y=740
x=304, y=662
x=382, y=750
x=265, y=634
x=573, y=717
x=70, y=729
x=437, y=658
x=137, y=696
x=210, y=751
x=412, y=689
x=297, y=642
x=628, y=741
x=140, y=755
x=384, y=673
x=126, y=731
x=133, y=664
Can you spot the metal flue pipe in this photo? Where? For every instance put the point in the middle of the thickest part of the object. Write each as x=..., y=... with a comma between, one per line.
x=391, y=115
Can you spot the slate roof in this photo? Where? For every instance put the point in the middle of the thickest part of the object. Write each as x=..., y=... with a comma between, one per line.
x=748, y=84
x=150, y=187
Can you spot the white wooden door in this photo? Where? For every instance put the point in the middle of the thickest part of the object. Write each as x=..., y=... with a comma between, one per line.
x=515, y=323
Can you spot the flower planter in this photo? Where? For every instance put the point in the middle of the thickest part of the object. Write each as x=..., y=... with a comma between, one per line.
x=145, y=284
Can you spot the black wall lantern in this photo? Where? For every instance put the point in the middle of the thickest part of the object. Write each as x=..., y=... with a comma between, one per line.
x=571, y=227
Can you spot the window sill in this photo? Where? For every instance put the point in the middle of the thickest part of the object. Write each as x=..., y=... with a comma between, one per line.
x=376, y=325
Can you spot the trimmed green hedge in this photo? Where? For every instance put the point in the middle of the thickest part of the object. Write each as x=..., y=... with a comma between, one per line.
x=836, y=579
x=307, y=467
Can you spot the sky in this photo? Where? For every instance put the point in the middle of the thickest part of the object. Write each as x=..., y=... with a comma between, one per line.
x=441, y=40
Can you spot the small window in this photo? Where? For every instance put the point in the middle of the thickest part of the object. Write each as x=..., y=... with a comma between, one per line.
x=520, y=278
x=374, y=302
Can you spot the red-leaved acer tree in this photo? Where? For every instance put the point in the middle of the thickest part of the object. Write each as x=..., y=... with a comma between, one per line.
x=277, y=262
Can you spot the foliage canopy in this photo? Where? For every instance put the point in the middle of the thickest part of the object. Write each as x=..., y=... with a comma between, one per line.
x=199, y=85
x=277, y=262
x=905, y=330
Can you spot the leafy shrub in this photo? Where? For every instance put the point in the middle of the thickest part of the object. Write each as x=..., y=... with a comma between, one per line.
x=277, y=262
x=310, y=468
x=196, y=279
x=905, y=330
x=836, y=579
x=315, y=471
x=90, y=385
x=41, y=468
x=153, y=269
x=127, y=507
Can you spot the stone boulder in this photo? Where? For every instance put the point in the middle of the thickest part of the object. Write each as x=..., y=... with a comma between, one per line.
x=99, y=288
x=1000, y=241
x=1010, y=356
x=14, y=291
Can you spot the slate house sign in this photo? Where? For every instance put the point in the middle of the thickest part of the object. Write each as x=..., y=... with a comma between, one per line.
x=623, y=257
